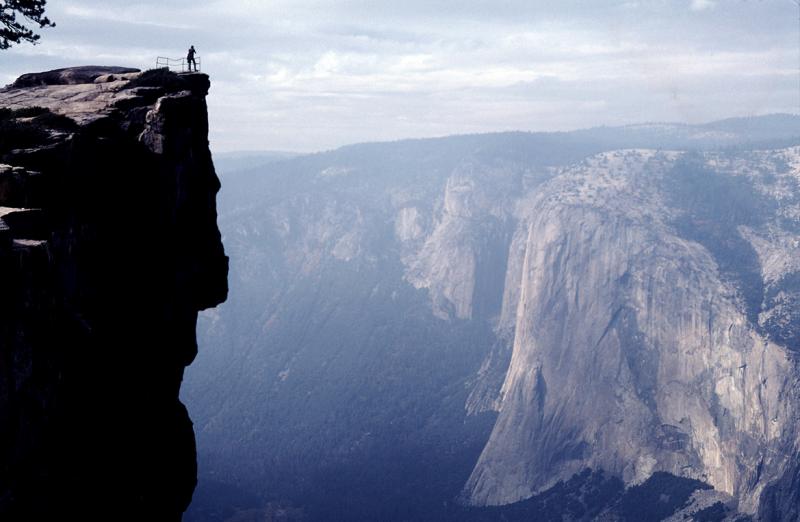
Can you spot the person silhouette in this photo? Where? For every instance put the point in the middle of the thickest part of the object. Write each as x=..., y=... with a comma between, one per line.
x=190, y=59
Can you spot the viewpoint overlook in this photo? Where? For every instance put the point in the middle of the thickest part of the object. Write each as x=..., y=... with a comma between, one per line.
x=108, y=247
x=590, y=325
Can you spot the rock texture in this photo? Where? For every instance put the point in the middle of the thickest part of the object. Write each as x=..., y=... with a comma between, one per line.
x=108, y=249
x=598, y=299
x=651, y=332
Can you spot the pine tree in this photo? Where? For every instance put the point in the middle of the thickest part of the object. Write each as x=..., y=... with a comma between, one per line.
x=15, y=15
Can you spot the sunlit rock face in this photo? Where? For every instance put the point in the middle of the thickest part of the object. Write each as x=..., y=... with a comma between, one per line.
x=647, y=331
x=461, y=248
x=444, y=329
x=108, y=249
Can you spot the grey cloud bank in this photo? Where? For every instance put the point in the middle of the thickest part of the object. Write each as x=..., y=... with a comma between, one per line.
x=309, y=75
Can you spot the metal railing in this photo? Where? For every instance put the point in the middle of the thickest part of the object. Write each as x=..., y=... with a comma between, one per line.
x=177, y=64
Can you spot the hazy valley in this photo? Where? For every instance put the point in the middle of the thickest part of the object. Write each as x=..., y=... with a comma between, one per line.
x=421, y=328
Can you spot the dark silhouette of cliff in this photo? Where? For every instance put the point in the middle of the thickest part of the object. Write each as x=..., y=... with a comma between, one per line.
x=108, y=249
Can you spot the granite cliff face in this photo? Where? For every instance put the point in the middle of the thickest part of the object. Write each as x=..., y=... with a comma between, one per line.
x=484, y=318
x=644, y=336
x=108, y=249
x=649, y=303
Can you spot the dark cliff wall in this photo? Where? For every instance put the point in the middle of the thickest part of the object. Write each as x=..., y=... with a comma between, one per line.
x=101, y=284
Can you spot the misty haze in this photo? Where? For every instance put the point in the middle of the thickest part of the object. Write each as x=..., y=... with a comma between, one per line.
x=519, y=262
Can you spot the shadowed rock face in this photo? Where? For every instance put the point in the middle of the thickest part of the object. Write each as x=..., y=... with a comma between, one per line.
x=108, y=249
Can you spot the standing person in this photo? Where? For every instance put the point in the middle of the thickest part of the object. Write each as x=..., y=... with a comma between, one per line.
x=190, y=59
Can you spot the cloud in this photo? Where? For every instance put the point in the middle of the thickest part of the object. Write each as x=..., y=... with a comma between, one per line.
x=702, y=5
x=315, y=74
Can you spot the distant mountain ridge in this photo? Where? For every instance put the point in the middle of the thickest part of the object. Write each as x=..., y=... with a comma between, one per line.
x=731, y=131
x=417, y=325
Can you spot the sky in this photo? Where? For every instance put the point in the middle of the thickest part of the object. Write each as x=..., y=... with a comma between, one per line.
x=310, y=75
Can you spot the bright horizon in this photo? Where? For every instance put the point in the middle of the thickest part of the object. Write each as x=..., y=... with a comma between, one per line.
x=308, y=75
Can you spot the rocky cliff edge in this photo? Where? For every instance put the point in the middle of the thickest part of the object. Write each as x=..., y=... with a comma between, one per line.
x=108, y=249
